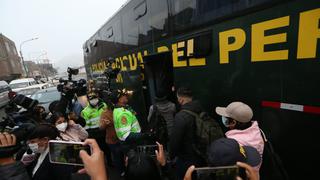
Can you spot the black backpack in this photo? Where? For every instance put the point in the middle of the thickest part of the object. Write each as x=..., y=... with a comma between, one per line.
x=207, y=130
x=271, y=167
x=158, y=126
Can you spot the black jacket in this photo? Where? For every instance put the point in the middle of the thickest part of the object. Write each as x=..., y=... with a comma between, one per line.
x=14, y=171
x=183, y=135
x=50, y=171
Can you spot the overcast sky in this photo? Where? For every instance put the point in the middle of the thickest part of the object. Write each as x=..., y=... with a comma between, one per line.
x=62, y=26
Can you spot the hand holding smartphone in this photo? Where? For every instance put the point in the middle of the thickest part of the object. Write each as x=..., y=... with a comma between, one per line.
x=64, y=152
x=218, y=173
x=148, y=150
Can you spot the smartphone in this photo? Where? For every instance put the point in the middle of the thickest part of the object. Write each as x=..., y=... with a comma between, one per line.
x=148, y=150
x=64, y=152
x=217, y=173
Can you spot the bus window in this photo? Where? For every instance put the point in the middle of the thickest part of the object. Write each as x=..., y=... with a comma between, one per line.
x=158, y=18
x=141, y=16
x=116, y=28
x=213, y=9
x=130, y=26
x=109, y=33
x=140, y=10
x=183, y=13
x=190, y=13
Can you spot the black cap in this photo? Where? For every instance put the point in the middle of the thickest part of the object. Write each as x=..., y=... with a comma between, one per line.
x=92, y=95
x=114, y=96
x=227, y=152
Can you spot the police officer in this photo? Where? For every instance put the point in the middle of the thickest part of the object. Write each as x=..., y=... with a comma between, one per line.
x=91, y=113
x=125, y=121
x=126, y=124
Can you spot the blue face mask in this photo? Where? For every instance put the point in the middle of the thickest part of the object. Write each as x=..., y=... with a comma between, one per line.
x=225, y=121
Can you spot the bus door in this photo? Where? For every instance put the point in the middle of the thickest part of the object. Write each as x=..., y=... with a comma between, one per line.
x=158, y=76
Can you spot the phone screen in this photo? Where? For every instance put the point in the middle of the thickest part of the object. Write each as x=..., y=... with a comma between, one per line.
x=67, y=152
x=217, y=173
x=148, y=150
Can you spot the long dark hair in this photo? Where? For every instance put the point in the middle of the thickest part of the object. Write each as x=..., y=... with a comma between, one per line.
x=55, y=116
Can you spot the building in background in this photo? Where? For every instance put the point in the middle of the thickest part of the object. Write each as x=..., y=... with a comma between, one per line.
x=39, y=70
x=10, y=63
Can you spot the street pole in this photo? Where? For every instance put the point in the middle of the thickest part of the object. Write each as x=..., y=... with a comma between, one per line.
x=23, y=63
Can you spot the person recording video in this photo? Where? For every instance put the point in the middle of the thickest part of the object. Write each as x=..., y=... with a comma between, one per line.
x=228, y=152
x=10, y=169
x=143, y=166
x=41, y=168
x=71, y=90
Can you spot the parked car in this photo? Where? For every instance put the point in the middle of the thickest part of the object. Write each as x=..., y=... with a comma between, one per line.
x=46, y=96
x=4, y=93
x=26, y=86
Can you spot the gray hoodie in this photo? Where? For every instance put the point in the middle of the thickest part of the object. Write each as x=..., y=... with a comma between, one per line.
x=167, y=109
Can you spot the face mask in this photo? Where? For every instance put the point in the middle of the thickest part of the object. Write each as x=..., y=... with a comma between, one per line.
x=62, y=127
x=35, y=148
x=225, y=121
x=94, y=102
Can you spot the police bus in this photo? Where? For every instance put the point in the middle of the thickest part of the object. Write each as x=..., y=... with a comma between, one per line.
x=262, y=52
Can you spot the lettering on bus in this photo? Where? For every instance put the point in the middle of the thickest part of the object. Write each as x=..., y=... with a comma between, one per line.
x=99, y=67
x=134, y=60
x=182, y=53
x=308, y=37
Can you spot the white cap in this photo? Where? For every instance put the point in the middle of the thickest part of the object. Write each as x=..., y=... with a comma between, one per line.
x=237, y=111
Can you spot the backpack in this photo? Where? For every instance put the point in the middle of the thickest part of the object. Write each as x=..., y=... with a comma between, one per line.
x=158, y=126
x=207, y=130
x=271, y=167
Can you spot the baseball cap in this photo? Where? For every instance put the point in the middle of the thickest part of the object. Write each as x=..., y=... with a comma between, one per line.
x=227, y=152
x=237, y=111
x=92, y=95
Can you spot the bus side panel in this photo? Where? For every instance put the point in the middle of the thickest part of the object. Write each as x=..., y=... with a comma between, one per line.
x=293, y=81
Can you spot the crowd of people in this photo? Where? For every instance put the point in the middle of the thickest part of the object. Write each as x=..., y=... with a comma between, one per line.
x=110, y=126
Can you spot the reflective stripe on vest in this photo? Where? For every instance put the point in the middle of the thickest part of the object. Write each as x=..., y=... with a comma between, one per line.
x=125, y=122
x=92, y=123
x=92, y=116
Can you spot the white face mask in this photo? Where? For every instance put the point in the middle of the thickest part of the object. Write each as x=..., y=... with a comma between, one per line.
x=225, y=121
x=94, y=102
x=62, y=127
x=35, y=148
